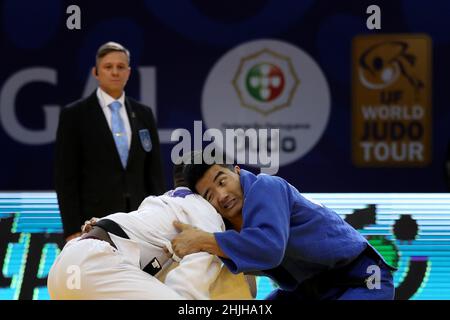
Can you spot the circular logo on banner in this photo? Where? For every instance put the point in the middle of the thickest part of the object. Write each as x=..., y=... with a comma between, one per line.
x=269, y=84
x=265, y=82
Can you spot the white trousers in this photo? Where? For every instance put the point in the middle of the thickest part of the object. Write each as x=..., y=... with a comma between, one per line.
x=91, y=269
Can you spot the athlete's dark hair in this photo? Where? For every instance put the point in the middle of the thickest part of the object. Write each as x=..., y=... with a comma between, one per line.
x=195, y=169
x=178, y=177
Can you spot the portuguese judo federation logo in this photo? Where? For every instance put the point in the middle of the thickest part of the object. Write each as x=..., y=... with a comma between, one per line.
x=265, y=82
x=268, y=84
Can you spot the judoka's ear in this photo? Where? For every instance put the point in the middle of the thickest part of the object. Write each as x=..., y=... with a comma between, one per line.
x=237, y=169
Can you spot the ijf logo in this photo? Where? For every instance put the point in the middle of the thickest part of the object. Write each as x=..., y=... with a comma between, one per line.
x=392, y=100
x=268, y=84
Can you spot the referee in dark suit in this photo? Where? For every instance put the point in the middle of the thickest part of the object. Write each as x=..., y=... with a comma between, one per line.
x=107, y=148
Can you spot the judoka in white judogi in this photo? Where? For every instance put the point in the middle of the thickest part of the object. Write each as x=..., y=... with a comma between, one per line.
x=107, y=273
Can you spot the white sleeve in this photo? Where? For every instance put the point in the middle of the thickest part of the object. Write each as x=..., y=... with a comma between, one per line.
x=194, y=275
x=198, y=271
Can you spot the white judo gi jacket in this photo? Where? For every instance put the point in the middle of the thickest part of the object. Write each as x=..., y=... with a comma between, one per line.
x=108, y=273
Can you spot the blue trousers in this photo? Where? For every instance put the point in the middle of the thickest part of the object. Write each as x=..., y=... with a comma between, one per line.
x=359, y=269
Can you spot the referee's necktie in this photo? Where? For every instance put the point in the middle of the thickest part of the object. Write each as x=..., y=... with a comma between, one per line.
x=118, y=131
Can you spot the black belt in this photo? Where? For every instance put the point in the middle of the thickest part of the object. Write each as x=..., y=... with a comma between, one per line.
x=154, y=266
x=112, y=227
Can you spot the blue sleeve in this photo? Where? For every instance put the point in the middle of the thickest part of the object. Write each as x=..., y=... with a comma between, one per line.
x=262, y=241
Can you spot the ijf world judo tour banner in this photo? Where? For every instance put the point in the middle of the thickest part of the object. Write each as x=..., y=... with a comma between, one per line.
x=357, y=94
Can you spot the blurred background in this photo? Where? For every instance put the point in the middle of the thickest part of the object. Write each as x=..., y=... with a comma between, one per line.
x=363, y=113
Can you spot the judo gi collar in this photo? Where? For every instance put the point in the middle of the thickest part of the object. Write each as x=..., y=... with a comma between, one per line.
x=180, y=192
x=247, y=179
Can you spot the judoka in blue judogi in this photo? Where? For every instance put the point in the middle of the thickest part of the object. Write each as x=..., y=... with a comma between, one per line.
x=305, y=247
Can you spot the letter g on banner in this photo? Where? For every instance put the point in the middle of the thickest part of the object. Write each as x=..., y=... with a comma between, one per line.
x=185, y=18
x=8, y=118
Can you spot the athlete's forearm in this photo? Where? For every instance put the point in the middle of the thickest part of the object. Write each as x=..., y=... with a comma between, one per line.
x=209, y=244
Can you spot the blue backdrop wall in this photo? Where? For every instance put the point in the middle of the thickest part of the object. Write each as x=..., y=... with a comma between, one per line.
x=177, y=48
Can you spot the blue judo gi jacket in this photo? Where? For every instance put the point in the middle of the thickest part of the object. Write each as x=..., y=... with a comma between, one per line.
x=282, y=228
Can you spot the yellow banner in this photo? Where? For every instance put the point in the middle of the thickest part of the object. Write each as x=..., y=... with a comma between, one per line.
x=391, y=100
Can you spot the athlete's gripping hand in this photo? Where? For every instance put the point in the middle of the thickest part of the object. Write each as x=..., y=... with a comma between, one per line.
x=188, y=240
x=88, y=225
x=192, y=240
